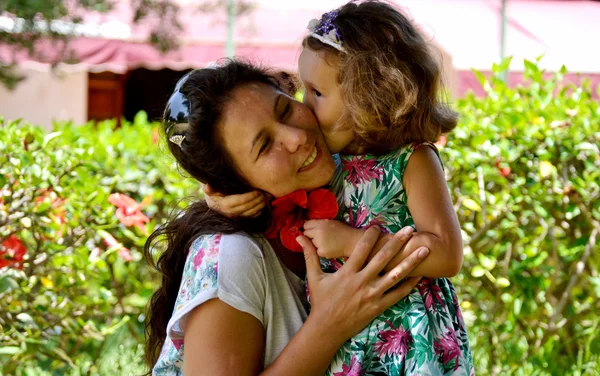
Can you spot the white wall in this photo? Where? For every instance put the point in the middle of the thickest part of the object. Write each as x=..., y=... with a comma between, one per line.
x=45, y=96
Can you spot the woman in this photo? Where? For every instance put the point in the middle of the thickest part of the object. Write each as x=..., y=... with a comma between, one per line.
x=227, y=295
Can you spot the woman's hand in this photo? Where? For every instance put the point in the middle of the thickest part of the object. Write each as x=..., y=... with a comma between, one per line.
x=347, y=300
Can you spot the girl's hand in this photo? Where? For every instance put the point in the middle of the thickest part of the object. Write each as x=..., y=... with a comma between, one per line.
x=248, y=204
x=333, y=239
x=347, y=300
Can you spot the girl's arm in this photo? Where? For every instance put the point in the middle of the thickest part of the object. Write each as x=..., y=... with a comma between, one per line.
x=433, y=214
x=220, y=340
x=437, y=226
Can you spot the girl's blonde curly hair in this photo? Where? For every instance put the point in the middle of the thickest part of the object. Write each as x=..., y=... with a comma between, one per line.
x=389, y=79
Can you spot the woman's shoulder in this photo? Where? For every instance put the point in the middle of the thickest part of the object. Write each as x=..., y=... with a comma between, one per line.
x=209, y=247
x=223, y=266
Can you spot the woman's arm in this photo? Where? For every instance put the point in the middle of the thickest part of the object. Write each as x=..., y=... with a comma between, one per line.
x=225, y=341
x=437, y=226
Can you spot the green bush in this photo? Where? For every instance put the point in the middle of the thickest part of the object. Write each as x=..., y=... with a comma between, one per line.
x=524, y=171
x=523, y=167
x=77, y=299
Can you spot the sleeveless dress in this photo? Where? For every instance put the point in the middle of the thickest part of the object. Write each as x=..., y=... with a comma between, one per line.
x=423, y=334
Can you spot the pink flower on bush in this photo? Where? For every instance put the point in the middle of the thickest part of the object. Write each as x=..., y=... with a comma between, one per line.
x=12, y=252
x=129, y=211
x=431, y=293
x=361, y=170
x=393, y=341
x=110, y=241
x=447, y=348
x=352, y=369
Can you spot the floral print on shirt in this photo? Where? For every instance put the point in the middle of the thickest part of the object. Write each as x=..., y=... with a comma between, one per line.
x=200, y=276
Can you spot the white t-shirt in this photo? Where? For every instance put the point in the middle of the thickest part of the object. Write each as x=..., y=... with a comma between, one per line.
x=245, y=273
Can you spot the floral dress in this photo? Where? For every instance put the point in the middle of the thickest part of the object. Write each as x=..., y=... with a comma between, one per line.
x=423, y=334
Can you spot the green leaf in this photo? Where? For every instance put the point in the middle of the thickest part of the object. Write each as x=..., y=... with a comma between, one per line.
x=7, y=284
x=477, y=271
x=49, y=137
x=480, y=77
x=10, y=350
x=471, y=204
x=26, y=318
x=517, y=304
x=504, y=64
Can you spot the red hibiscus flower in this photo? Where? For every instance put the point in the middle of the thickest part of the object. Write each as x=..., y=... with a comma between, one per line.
x=129, y=211
x=12, y=252
x=448, y=349
x=291, y=211
x=361, y=170
x=394, y=341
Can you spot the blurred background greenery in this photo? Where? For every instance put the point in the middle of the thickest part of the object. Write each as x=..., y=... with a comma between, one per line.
x=523, y=168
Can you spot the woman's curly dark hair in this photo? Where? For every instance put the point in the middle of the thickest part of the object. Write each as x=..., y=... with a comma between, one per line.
x=207, y=92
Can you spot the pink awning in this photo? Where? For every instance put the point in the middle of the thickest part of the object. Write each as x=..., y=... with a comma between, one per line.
x=468, y=30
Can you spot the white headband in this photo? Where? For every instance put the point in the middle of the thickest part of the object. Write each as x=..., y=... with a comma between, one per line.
x=329, y=39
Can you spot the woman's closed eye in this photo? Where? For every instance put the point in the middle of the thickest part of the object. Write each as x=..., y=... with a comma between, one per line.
x=286, y=111
x=265, y=146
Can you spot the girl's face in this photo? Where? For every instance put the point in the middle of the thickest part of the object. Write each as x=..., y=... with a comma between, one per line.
x=324, y=98
x=279, y=148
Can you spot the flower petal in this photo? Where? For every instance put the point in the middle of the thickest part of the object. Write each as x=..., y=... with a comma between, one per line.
x=322, y=204
x=123, y=201
x=288, y=202
x=289, y=234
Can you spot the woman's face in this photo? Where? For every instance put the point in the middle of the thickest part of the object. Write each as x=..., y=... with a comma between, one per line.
x=275, y=141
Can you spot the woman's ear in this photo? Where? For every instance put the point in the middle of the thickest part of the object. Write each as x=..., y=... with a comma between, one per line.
x=207, y=189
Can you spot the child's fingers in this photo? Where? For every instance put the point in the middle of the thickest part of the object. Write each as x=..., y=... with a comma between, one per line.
x=309, y=233
x=248, y=205
x=241, y=203
x=255, y=211
x=313, y=223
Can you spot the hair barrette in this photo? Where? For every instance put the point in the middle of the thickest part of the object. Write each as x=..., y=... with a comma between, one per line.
x=176, y=116
x=325, y=31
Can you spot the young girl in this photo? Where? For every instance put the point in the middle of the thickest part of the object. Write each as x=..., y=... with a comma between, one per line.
x=374, y=85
